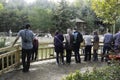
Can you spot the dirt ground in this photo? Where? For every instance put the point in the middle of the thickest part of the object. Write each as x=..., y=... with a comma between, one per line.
x=48, y=70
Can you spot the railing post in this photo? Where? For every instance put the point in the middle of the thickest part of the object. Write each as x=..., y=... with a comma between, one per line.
x=18, y=55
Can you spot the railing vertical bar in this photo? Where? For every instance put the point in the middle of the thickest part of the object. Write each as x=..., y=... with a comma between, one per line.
x=18, y=55
x=7, y=60
x=11, y=59
x=49, y=52
x=46, y=53
x=53, y=52
x=2, y=63
x=41, y=53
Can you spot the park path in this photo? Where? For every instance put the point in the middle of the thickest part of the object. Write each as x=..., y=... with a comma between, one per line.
x=48, y=70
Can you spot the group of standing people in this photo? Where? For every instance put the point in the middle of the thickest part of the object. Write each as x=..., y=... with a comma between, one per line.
x=72, y=43
x=73, y=39
x=110, y=42
x=90, y=42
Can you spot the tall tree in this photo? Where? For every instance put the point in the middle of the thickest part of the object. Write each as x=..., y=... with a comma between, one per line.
x=41, y=18
x=107, y=10
x=62, y=16
x=1, y=6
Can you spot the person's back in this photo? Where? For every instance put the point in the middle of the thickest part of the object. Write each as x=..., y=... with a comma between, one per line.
x=58, y=40
x=117, y=41
x=58, y=43
x=95, y=46
x=35, y=48
x=69, y=39
x=88, y=40
x=27, y=38
x=108, y=38
x=35, y=43
x=68, y=45
x=88, y=45
x=78, y=38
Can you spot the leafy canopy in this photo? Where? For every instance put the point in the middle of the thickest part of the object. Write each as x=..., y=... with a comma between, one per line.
x=108, y=10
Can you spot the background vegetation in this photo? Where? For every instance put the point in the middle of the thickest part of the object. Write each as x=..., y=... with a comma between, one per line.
x=46, y=15
x=106, y=73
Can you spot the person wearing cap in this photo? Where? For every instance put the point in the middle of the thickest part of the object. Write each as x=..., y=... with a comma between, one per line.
x=27, y=37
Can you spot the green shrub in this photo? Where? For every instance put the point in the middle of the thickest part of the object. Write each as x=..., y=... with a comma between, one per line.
x=2, y=42
x=106, y=73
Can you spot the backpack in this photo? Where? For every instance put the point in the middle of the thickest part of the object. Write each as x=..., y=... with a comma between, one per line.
x=78, y=38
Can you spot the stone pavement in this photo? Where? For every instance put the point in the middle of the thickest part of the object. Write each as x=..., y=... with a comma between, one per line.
x=48, y=70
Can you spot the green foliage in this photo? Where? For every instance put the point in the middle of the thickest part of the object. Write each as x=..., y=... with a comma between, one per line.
x=2, y=42
x=106, y=73
x=1, y=6
x=45, y=15
x=108, y=10
x=85, y=12
x=41, y=18
x=62, y=16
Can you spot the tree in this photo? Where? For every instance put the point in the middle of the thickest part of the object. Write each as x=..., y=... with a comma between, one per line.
x=1, y=6
x=62, y=16
x=41, y=19
x=88, y=15
x=107, y=10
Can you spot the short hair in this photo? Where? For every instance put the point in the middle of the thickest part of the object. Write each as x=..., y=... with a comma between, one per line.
x=56, y=32
x=69, y=30
x=27, y=26
x=75, y=28
x=95, y=33
x=108, y=30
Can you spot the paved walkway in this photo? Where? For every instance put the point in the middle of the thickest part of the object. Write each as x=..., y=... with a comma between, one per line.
x=48, y=70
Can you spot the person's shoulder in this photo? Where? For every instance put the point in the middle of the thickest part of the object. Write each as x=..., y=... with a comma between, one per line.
x=21, y=31
x=31, y=31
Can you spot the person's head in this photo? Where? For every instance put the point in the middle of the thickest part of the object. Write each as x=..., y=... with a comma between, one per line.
x=27, y=26
x=74, y=29
x=95, y=33
x=69, y=31
x=108, y=30
x=56, y=32
x=86, y=33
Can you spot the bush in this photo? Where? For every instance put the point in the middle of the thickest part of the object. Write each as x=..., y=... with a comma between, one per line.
x=2, y=42
x=107, y=73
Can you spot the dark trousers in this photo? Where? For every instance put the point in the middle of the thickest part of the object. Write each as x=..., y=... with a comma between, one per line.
x=26, y=55
x=87, y=53
x=77, y=55
x=59, y=56
x=68, y=55
x=95, y=55
x=106, y=49
x=34, y=53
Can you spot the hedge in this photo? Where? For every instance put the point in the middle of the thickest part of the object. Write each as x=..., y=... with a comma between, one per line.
x=111, y=72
